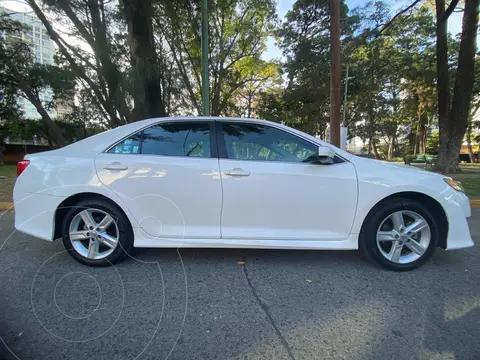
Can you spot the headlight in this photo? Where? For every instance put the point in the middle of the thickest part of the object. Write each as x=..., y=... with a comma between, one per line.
x=457, y=185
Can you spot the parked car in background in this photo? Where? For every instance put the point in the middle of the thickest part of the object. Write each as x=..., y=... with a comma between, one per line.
x=233, y=182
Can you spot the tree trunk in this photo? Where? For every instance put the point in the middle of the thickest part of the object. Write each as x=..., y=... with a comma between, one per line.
x=391, y=146
x=111, y=73
x=371, y=129
x=84, y=123
x=469, y=138
x=250, y=100
x=2, y=149
x=452, y=133
x=422, y=133
x=103, y=98
x=443, y=82
x=49, y=139
x=147, y=93
x=54, y=130
x=375, y=150
x=473, y=111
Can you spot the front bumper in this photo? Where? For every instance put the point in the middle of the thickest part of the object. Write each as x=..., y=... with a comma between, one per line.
x=457, y=208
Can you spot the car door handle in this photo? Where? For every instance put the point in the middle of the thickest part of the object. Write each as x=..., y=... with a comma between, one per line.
x=237, y=172
x=115, y=166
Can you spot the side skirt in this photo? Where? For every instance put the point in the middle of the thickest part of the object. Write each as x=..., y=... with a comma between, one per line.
x=141, y=241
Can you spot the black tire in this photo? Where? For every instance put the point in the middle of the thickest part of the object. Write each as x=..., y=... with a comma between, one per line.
x=368, y=234
x=125, y=241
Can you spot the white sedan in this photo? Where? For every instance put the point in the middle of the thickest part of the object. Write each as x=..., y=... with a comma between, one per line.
x=233, y=182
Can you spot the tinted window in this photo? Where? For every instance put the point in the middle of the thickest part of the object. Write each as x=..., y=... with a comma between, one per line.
x=171, y=139
x=177, y=139
x=130, y=145
x=265, y=143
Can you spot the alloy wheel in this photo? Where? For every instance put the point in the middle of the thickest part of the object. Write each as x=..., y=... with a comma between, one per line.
x=403, y=237
x=94, y=233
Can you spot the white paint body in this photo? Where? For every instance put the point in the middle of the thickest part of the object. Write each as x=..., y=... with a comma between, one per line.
x=191, y=202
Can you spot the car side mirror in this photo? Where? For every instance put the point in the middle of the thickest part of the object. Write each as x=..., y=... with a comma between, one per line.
x=325, y=154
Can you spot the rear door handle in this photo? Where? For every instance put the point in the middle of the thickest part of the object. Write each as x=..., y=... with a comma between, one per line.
x=115, y=166
x=237, y=172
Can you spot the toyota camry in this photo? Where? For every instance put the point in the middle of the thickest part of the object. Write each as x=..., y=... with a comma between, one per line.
x=210, y=182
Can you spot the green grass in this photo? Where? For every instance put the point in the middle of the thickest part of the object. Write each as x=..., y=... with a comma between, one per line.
x=472, y=186
x=8, y=174
x=8, y=170
x=470, y=165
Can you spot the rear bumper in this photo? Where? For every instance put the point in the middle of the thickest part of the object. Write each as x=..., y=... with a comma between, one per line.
x=35, y=214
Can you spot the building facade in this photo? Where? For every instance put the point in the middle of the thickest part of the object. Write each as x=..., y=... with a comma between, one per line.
x=42, y=47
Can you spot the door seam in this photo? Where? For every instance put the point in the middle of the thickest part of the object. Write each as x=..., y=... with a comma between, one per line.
x=221, y=186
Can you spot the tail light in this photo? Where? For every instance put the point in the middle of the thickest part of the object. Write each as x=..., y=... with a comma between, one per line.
x=22, y=165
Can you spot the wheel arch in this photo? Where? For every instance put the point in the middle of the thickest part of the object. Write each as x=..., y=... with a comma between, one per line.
x=429, y=202
x=66, y=204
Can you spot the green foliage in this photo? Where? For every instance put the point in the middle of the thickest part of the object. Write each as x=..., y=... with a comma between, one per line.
x=238, y=33
x=21, y=77
x=433, y=143
x=27, y=129
x=392, y=97
x=271, y=105
x=304, y=38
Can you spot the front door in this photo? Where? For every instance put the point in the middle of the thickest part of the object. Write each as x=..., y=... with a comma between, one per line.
x=273, y=190
x=168, y=177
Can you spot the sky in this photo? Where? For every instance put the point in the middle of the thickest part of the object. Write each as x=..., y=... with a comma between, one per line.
x=283, y=6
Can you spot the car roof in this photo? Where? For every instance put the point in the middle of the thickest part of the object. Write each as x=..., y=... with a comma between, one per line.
x=98, y=143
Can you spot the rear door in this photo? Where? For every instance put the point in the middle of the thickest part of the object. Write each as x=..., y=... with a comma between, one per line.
x=272, y=190
x=168, y=177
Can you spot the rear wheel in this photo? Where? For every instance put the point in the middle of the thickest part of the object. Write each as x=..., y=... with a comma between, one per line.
x=96, y=232
x=400, y=235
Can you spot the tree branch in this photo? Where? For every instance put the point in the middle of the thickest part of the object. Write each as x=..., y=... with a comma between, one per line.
x=399, y=14
x=78, y=69
x=449, y=10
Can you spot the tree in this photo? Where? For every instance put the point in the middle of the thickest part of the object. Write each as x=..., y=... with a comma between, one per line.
x=147, y=92
x=453, y=115
x=305, y=42
x=116, y=76
x=21, y=77
x=237, y=37
x=392, y=96
x=271, y=105
x=90, y=22
x=259, y=75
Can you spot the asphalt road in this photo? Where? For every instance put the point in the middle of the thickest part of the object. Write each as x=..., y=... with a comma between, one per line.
x=203, y=304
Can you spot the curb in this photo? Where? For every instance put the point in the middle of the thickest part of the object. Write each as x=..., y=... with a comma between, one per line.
x=474, y=203
x=6, y=205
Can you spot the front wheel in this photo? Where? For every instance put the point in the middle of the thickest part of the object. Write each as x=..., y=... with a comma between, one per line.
x=400, y=235
x=96, y=232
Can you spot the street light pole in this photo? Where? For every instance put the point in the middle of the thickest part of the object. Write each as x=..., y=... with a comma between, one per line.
x=345, y=98
x=335, y=91
x=205, y=80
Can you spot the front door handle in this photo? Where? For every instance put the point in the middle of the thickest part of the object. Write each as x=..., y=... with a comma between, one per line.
x=237, y=172
x=115, y=166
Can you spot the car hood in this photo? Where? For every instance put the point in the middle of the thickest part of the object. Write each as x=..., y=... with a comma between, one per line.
x=367, y=165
